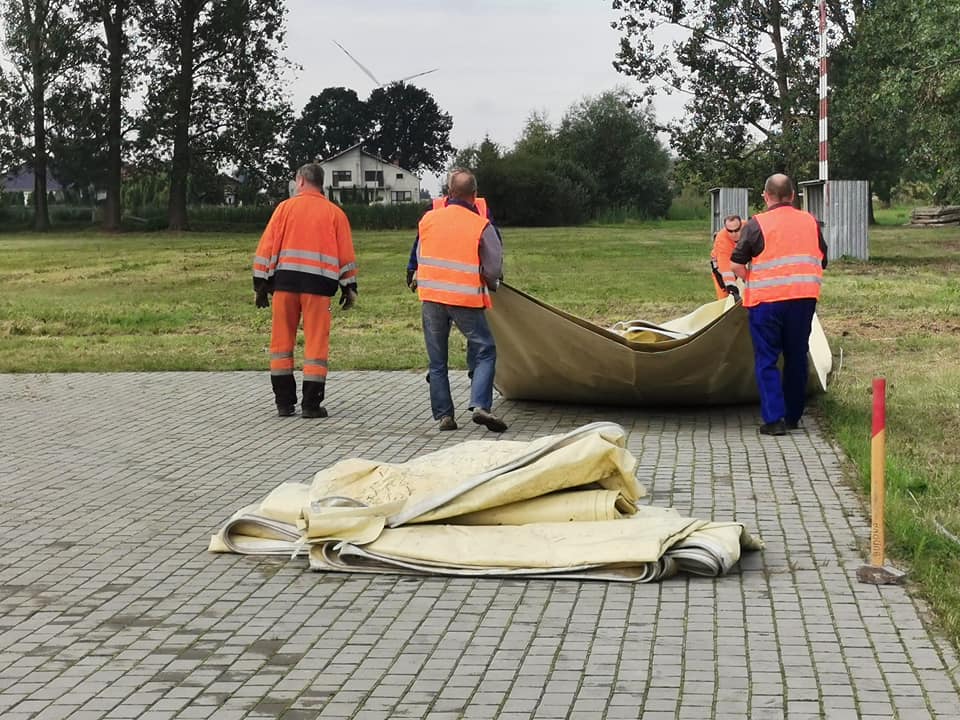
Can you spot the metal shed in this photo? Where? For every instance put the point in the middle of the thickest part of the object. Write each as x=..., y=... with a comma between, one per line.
x=727, y=201
x=841, y=207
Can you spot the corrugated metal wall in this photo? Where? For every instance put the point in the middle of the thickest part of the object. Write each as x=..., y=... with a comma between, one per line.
x=846, y=219
x=727, y=201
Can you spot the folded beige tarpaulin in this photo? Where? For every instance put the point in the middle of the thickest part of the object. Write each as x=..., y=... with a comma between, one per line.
x=560, y=506
x=703, y=358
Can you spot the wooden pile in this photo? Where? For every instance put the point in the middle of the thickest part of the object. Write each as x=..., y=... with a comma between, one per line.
x=935, y=216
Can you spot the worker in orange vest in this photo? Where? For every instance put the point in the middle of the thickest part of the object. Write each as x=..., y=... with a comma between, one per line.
x=459, y=263
x=442, y=202
x=780, y=257
x=724, y=281
x=305, y=255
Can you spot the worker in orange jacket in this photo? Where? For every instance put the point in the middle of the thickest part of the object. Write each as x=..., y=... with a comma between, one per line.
x=459, y=263
x=305, y=255
x=724, y=281
x=786, y=253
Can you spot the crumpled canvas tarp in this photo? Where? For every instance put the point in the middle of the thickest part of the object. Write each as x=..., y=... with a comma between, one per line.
x=560, y=506
x=703, y=358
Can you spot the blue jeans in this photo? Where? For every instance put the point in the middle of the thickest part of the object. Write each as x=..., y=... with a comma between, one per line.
x=481, y=353
x=782, y=328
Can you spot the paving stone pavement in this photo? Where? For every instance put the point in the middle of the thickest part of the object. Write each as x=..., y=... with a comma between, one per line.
x=110, y=606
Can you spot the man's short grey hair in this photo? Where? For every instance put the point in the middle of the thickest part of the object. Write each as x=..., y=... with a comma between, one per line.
x=312, y=173
x=462, y=183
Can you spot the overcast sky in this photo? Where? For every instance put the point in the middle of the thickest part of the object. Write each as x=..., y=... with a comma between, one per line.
x=498, y=60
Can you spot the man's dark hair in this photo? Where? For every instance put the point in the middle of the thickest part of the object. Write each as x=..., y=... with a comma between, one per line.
x=728, y=218
x=312, y=173
x=463, y=184
x=779, y=187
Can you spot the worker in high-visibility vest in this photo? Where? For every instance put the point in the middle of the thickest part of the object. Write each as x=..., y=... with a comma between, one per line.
x=724, y=281
x=459, y=263
x=780, y=257
x=438, y=203
x=305, y=255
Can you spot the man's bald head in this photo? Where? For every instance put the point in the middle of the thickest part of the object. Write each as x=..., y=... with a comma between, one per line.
x=462, y=184
x=778, y=189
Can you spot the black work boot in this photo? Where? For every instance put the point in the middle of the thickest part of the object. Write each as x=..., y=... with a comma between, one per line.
x=308, y=411
x=285, y=393
x=773, y=428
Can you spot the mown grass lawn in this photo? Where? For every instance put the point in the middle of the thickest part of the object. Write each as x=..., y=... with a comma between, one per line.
x=89, y=302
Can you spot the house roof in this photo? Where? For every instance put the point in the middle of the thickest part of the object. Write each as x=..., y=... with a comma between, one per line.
x=369, y=154
x=21, y=180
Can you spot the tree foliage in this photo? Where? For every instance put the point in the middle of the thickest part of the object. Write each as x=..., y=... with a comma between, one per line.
x=48, y=44
x=330, y=122
x=215, y=68
x=409, y=128
x=749, y=70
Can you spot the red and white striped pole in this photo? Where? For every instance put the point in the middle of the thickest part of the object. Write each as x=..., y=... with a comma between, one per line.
x=877, y=461
x=824, y=146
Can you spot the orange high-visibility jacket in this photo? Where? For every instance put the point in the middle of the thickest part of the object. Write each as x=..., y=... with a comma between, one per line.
x=306, y=247
x=448, y=258
x=480, y=203
x=790, y=266
x=723, y=245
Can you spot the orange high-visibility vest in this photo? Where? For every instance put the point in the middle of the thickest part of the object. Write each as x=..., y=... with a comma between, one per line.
x=789, y=267
x=481, y=204
x=448, y=257
x=723, y=245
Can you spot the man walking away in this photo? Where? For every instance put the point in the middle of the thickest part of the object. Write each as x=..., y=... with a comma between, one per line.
x=786, y=254
x=305, y=255
x=459, y=263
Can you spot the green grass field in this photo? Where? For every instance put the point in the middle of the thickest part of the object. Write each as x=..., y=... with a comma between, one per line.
x=88, y=302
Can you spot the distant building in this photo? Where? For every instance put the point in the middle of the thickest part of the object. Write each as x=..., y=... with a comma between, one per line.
x=356, y=175
x=21, y=181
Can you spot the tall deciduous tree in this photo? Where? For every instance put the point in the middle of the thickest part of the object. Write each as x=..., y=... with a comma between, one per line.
x=216, y=62
x=49, y=45
x=615, y=142
x=749, y=68
x=409, y=128
x=330, y=122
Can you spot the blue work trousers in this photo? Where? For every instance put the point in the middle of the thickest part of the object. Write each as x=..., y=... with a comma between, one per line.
x=481, y=354
x=782, y=328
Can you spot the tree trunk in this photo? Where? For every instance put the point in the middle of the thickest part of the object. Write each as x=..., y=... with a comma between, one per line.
x=781, y=69
x=113, y=29
x=180, y=167
x=41, y=213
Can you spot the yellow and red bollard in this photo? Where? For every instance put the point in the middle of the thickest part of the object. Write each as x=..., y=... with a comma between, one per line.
x=876, y=573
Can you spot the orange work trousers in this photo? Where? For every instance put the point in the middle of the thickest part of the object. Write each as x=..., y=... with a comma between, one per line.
x=288, y=308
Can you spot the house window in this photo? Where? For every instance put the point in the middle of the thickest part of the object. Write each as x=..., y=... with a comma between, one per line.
x=399, y=176
x=341, y=176
x=402, y=195
x=373, y=176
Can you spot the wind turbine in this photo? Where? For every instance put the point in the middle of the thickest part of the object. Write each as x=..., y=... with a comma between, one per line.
x=371, y=75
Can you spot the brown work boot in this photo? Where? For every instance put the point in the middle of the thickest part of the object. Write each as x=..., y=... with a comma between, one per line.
x=774, y=428
x=447, y=423
x=492, y=422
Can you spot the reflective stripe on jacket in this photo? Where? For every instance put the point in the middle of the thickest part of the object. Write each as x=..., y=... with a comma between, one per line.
x=789, y=267
x=306, y=247
x=449, y=258
x=441, y=202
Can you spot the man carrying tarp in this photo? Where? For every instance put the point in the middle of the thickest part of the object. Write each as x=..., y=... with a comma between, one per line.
x=786, y=254
x=305, y=255
x=724, y=281
x=459, y=262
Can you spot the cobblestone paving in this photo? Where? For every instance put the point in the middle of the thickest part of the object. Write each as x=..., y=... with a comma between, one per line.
x=110, y=606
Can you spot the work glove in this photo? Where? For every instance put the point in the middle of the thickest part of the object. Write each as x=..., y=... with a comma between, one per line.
x=262, y=299
x=411, y=280
x=733, y=290
x=348, y=298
